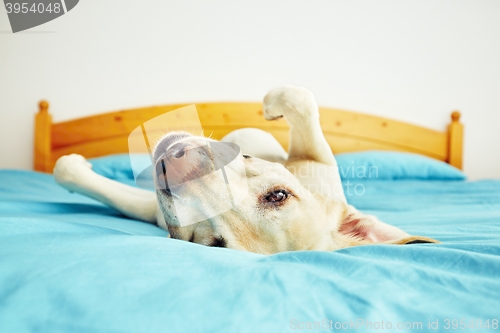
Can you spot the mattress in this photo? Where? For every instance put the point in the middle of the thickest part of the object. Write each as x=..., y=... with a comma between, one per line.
x=70, y=264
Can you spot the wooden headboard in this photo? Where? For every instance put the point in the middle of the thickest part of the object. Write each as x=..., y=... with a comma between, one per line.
x=345, y=131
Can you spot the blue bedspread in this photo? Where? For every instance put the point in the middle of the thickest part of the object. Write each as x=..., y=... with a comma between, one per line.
x=69, y=264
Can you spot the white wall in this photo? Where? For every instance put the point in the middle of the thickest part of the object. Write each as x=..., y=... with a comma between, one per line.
x=414, y=61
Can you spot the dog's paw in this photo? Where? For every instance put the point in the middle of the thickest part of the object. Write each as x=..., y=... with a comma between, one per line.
x=293, y=103
x=69, y=169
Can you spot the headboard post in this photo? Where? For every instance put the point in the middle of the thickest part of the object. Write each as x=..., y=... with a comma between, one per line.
x=455, y=140
x=42, y=138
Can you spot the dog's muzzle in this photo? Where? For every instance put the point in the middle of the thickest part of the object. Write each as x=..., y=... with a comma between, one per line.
x=192, y=158
x=201, y=177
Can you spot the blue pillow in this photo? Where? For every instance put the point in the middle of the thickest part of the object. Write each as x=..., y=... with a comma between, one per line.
x=362, y=165
x=394, y=165
x=117, y=166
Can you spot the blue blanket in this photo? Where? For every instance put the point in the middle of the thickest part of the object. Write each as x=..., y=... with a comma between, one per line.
x=70, y=264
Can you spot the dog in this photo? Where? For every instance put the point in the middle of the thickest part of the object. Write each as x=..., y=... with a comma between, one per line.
x=284, y=206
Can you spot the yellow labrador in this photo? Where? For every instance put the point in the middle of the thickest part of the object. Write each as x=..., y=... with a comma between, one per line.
x=285, y=206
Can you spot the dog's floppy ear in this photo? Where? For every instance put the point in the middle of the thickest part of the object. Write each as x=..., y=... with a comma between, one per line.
x=367, y=229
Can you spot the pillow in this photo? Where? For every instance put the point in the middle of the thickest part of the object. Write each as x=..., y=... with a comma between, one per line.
x=394, y=165
x=118, y=166
x=362, y=165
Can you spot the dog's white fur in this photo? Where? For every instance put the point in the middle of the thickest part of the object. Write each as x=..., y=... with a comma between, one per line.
x=288, y=206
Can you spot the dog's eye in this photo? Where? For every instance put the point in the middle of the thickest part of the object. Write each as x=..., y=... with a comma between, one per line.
x=246, y=156
x=277, y=196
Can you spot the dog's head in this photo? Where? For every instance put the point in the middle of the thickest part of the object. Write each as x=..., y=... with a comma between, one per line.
x=274, y=212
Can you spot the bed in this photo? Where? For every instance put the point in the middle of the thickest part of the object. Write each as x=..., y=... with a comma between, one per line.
x=70, y=264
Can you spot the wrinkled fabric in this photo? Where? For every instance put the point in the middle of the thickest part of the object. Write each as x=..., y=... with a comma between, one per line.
x=70, y=264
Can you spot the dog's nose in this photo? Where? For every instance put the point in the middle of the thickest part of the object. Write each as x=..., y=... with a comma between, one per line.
x=167, y=141
x=190, y=159
x=179, y=153
x=183, y=156
x=178, y=150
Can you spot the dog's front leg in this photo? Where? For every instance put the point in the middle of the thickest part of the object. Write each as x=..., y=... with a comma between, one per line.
x=310, y=158
x=74, y=173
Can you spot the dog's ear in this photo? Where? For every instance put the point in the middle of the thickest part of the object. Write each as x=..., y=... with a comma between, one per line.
x=367, y=229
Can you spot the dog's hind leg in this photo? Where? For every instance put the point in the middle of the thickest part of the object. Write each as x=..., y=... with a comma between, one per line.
x=309, y=155
x=74, y=173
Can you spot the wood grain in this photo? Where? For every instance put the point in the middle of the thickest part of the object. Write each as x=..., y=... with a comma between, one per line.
x=42, y=138
x=345, y=131
x=456, y=134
